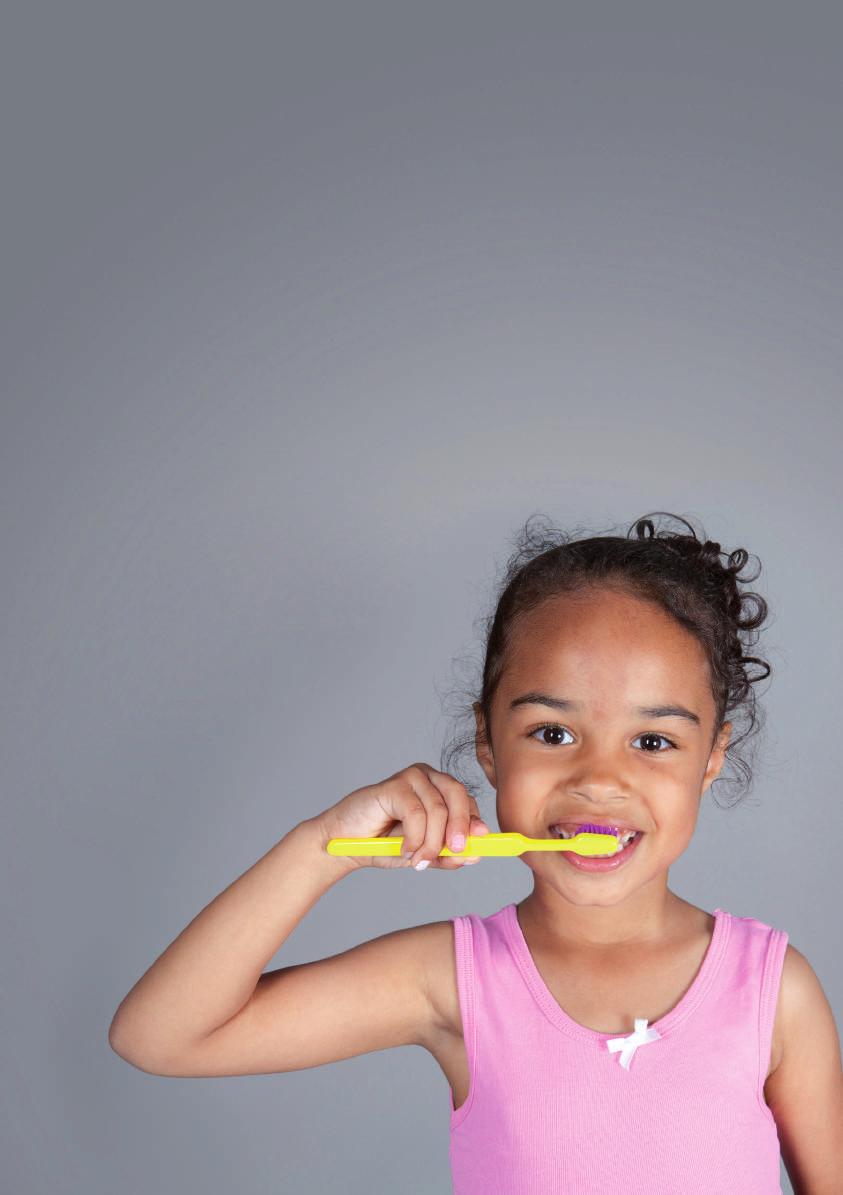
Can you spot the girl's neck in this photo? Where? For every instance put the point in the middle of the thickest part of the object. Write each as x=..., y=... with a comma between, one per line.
x=645, y=918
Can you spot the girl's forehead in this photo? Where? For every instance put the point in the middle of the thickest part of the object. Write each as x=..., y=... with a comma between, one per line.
x=591, y=629
x=606, y=690
x=639, y=651
x=597, y=605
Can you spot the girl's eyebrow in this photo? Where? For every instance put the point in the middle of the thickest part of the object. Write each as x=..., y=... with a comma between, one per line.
x=671, y=710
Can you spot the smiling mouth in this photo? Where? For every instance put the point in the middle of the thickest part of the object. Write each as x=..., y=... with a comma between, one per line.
x=624, y=835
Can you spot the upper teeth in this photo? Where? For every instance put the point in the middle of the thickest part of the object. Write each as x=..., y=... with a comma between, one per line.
x=623, y=836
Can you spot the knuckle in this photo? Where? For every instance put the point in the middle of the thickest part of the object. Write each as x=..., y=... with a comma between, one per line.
x=452, y=783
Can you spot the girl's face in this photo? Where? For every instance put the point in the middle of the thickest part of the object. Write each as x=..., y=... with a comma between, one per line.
x=608, y=654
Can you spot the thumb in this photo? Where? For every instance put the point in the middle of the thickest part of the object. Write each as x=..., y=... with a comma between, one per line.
x=477, y=829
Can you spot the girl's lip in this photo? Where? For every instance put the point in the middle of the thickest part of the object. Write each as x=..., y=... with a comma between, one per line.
x=610, y=863
x=609, y=827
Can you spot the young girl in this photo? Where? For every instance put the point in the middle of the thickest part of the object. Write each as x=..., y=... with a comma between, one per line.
x=602, y=1035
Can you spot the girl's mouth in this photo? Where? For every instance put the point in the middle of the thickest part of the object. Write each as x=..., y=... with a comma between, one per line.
x=610, y=863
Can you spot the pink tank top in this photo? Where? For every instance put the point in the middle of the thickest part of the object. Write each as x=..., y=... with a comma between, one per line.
x=676, y=1106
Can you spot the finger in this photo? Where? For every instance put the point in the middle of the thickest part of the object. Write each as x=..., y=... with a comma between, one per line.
x=476, y=826
x=437, y=810
x=462, y=814
x=400, y=800
x=461, y=807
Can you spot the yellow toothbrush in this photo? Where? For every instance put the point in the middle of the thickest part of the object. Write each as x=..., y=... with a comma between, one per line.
x=508, y=844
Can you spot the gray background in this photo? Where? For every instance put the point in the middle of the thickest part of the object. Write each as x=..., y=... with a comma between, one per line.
x=305, y=309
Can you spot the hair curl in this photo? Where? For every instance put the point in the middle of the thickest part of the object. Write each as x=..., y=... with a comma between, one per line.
x=681, y=572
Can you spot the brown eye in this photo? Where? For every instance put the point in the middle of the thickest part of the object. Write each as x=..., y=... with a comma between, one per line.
x=650, y=735
x=552, y=727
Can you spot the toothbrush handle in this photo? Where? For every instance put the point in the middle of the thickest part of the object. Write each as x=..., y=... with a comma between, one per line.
x=475, y=844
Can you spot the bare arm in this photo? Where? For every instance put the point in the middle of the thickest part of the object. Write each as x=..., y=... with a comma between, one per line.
x=805, y=1091
x=210, y=971
x=205, y=1007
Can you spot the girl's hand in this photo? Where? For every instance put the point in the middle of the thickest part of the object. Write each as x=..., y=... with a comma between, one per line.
x=426, y=807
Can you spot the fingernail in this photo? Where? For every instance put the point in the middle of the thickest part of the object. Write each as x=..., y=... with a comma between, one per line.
x=468, y=862
x=458, y=842
x=422, y=864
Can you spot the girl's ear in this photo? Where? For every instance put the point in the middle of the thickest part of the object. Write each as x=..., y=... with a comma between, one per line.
x=718, y=756
x=482, y=748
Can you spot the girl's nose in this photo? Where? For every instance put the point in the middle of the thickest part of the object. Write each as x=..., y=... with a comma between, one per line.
x=597, y=783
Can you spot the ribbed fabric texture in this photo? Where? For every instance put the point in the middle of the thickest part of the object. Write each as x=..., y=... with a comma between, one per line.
x=551, y=1109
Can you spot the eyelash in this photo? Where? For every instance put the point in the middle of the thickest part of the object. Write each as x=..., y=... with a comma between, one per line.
x=556, y=726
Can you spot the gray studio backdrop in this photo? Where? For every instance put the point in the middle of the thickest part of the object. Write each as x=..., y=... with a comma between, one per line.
x=305, y=309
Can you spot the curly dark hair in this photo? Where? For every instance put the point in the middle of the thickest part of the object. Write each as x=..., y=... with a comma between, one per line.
x=681, y=572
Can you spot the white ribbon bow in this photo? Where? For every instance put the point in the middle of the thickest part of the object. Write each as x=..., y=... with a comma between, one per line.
x=628, y=1045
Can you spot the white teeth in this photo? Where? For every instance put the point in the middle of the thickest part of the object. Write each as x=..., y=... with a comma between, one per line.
x=624, y=839
x=563, y=833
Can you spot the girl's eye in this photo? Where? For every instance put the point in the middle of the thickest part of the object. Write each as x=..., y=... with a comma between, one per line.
x=649, y=734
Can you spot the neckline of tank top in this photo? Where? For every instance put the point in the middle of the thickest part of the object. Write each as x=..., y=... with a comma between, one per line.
x=556, y=1014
